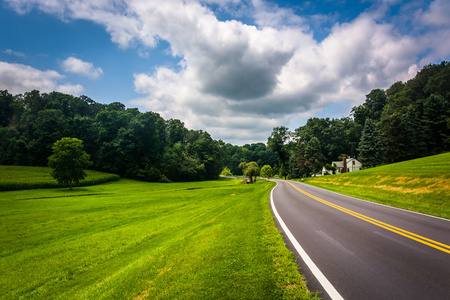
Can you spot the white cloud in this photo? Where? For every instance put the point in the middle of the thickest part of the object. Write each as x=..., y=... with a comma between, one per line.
x=18, y=79
x=240, y=75
x=77, y=66
x=72, y=89
x=438, y=14
x=238, y=81
x=270, y=14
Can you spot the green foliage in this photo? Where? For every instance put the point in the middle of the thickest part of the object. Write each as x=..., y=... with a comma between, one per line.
x=330, y=167
x=411, y=121
x=266, y=171
x=131, y=240
x=369, y=146
x=119, y=140
x=335, y=136
x=251, y=170
x=313, y=155
x=413, y=118
x=226, y=172
x=297, y=162
x=277, y=143
x=372, y=107
x=257, y=152
x=69, y=161
x=47, y=128
x=375, y=102
x=6, y=109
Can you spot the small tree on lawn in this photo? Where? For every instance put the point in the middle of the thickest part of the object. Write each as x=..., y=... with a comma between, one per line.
x=68, y=161
x=250, y=169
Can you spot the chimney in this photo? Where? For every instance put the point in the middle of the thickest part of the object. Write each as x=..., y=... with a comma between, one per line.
x=344, y=162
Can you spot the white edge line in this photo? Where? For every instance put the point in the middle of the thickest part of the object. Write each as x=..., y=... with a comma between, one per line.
x=329, y=288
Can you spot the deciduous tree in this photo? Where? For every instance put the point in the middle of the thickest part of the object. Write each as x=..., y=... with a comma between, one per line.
x=69, y=161
x=266, y=171
x=277, y=143
x=251, y=170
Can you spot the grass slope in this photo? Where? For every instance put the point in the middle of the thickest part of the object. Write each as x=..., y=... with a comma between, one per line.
x=138, y=240
x=20, y=178
x=421, y=185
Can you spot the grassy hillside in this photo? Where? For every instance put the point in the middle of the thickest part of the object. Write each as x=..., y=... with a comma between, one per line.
x=20, y=178
x=138, y=240
x=421, y=185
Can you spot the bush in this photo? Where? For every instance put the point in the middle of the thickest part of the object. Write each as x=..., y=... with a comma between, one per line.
x=226, y=172
x=266, y=171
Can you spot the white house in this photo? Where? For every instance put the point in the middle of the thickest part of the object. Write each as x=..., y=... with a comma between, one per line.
x=352, y=165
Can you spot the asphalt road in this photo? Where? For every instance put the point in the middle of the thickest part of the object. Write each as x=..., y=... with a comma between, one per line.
x=354, y=249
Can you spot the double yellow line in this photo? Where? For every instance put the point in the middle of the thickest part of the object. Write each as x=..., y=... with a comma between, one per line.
x=410, y=235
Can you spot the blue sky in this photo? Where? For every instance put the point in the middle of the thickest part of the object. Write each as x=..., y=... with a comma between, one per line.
x=233, y=68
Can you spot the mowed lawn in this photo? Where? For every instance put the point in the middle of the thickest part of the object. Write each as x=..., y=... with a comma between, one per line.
x=25, y=177
x=421, y=185
x=137, y=240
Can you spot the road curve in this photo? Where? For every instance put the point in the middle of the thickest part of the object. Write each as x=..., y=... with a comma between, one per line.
x=354, y=249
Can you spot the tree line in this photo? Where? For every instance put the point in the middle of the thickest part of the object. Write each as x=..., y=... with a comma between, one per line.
x=408, y=120
x=118, y=139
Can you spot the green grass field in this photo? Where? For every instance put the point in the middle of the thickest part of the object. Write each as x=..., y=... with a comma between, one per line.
x=421, y=185
x=138, y=240
x=19, y=178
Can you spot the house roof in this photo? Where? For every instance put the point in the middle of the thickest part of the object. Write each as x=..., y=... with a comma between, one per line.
x=340, y=163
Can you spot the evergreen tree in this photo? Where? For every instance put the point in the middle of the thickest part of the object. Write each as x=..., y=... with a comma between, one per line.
x=314, y=156
x=369, y=146
x=394, y=139
x=297, y=161
x=436, y=110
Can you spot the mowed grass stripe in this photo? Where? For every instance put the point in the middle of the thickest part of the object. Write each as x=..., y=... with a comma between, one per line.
x=25, y=177
x=135, y=240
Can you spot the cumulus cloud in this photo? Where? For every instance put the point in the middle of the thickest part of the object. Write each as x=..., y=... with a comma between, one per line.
x=437, y=14
x=19, y=78
x=77, y=66
x=270, y=14
x=72, y=89
x=238, y=81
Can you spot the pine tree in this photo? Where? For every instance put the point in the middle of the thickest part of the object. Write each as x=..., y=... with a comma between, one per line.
x=314, y=156
x=369, y=146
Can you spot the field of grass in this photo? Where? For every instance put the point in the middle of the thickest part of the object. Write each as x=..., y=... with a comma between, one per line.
x=20, y=178
x=421, y=185
x=138, y=240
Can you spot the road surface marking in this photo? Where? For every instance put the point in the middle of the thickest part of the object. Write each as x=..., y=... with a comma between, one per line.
x=328, y=287
x=410, y=235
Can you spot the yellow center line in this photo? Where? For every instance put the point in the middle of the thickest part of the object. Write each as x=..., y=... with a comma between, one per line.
x=410, y=235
